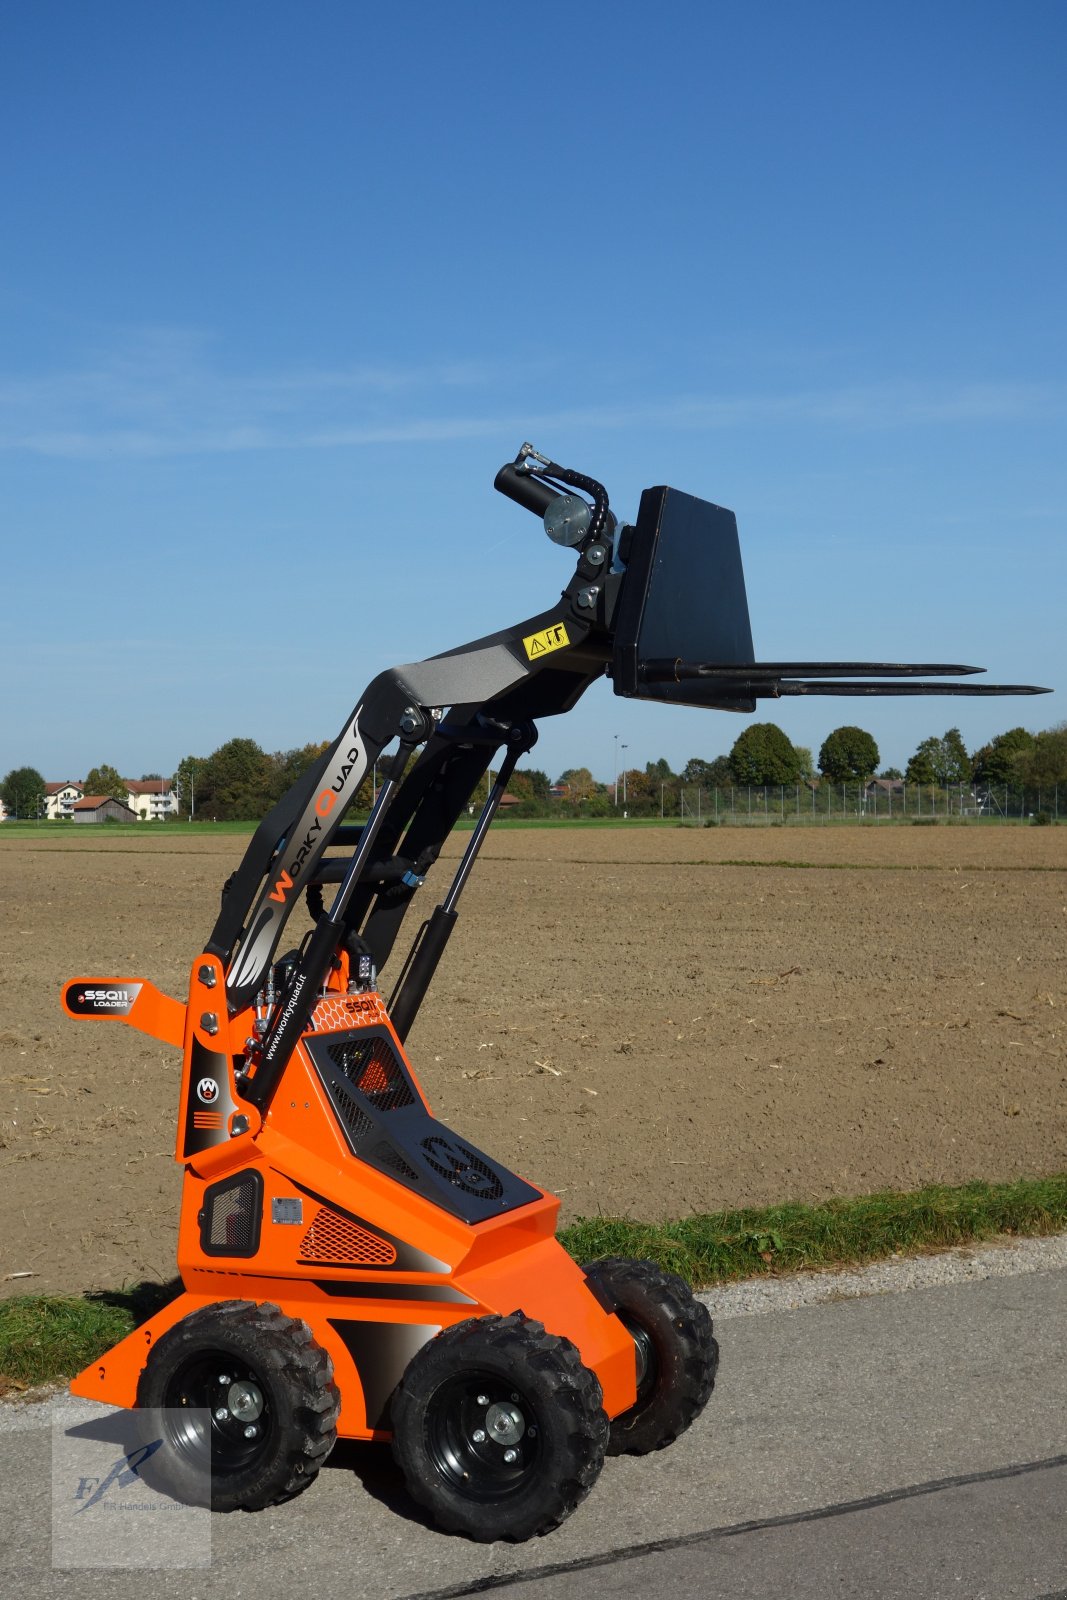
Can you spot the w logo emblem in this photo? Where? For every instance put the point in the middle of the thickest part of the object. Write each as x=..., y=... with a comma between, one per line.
x=461, y=1166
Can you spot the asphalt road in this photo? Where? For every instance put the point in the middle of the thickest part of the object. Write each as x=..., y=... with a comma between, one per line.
x=910, y=1445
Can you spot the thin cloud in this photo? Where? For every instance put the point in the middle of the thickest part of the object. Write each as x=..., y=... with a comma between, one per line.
x=162, y=396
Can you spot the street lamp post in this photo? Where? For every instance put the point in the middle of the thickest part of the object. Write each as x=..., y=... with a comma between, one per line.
x=624, y=747
x=617, y=770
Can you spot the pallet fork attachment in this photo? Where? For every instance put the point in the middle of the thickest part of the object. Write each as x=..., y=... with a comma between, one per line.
x=324, y=1208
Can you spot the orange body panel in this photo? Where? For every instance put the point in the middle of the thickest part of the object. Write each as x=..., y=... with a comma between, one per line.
x=374, y=1267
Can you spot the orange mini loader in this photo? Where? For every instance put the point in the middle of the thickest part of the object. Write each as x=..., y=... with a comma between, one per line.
x=351, y=1266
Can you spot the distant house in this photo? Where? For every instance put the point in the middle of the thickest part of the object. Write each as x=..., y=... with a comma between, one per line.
x=152, y=799
x=60, y=798
x=884, y=786
x=101, y=808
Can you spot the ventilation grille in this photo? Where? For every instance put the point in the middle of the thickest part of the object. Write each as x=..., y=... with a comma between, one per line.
x=355, y=1119
x=458, y=1164
x=338, y=1241
x=230, y=1220
x=371, y=1067
x=392, y=1161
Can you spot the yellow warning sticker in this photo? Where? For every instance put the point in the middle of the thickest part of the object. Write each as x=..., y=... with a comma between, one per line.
x=539, y=644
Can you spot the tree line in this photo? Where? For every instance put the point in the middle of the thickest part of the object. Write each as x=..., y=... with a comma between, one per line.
x=241, y=781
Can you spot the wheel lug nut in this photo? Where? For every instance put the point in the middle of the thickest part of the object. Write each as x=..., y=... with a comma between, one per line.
x=478, y=1435
x=532, y=1430
x=483, y=1399
x=221, y=1414
x=510, y=1456
x=223, y=1378
x=251, y=1431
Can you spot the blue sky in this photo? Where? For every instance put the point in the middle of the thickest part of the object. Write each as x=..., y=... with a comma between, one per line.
x=283, y=285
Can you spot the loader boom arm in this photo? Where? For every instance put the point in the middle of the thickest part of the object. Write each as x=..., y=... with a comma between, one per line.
x=659, y=607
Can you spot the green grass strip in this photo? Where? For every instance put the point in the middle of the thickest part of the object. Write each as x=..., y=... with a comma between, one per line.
x=48, y=1337
x=45, y=1337
x=53, y=1336
x=728, y=1245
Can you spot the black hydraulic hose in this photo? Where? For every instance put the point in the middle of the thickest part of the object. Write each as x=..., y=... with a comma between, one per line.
x=589, y=486
x=524, y=486
x=294, y=1008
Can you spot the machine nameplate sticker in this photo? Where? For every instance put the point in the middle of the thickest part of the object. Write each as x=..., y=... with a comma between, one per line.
x=537, y=645
x=100, y=997
x=287, y=1211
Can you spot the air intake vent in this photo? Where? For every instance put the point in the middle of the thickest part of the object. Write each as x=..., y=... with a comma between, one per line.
x=231, y=1215
x=463, y=1169
x=333, y=1240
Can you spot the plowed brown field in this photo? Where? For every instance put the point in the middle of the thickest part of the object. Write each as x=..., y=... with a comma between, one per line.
x=648, y=1021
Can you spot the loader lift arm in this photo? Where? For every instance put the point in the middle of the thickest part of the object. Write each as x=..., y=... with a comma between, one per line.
x=659, y=607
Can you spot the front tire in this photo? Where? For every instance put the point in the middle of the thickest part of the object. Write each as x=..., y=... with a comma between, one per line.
x=243, y=1405
x=498, y=1428
x=677, y=1354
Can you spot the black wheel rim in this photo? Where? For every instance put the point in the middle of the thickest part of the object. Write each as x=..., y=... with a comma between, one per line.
x=483, y=1435
x=647, y=1359
x=218, y=1412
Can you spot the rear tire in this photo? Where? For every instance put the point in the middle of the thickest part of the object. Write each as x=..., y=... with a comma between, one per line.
x=498, y=1428
x=677, y=1352
x=243, y=1405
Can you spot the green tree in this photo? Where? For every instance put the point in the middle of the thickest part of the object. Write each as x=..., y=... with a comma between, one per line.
x=187, y=784
x=659, y=771
x=531, y=787
x=807, y=765
x=286, y=766
x=717, y=774
x=638, y=787
x=763, y=756
x=22, y=792
x=1003, y=759
x=234, y=782
x=697, y=770
x=957, y=766
x=106, y=780
x=940, y=761
x=922, y=766
x=848, y=755
x=891, y=772
x=579, y=782
x=1046, y=764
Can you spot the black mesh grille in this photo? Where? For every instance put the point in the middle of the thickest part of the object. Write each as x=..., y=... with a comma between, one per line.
x=383, y=1121
x=350, y=1055
x=458, y=1163
x=371, y=1066
x=357, y=1121
x=382, y=1079
x=385, y=1156
x=231, y=1215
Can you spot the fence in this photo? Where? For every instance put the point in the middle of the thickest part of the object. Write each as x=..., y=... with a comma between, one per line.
x=851, y=802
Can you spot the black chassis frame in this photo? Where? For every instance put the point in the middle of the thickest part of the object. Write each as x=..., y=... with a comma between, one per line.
x=462, y=706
